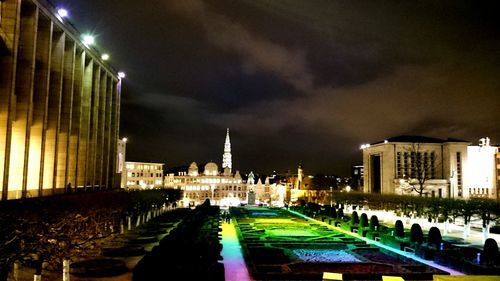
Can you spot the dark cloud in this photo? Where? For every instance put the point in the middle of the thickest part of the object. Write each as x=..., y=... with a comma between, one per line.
x=297, y=81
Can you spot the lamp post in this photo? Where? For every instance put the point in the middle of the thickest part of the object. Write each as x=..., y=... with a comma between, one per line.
x=331, y=194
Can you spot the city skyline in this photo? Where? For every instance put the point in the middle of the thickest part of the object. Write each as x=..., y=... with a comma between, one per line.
x=296, y=81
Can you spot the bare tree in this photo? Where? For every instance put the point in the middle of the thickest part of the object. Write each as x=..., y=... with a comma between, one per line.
x=421, y=168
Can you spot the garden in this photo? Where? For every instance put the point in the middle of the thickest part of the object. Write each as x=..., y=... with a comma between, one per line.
x=431, y=242
x=280, y=245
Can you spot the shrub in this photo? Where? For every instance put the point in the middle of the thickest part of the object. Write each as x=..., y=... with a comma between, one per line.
x=333, y=213
x=490, y=250
x=374, y=223
x=363, y=220
x=400, y=230
x=434, y=237
x=416, y=234
x=354, y=218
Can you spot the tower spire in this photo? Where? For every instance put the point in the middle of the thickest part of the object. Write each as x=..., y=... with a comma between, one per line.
x=226, y=157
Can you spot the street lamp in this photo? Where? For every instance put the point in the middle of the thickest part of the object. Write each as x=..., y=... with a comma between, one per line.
x=331, y=195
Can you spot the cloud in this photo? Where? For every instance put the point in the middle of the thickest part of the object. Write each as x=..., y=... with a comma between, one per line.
x=257, y=52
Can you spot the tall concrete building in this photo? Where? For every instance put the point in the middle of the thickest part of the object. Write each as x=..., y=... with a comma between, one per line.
x=447, y=168
x=59, y=105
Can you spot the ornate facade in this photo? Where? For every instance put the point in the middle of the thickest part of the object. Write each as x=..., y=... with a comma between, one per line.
x=223, y=188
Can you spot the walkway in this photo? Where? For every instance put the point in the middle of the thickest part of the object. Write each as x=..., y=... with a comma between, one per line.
x=234, y=263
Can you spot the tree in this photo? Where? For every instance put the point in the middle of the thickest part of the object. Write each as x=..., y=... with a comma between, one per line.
x=434, y=237
x=400, y=230
x=416, y=234
x=421, y=167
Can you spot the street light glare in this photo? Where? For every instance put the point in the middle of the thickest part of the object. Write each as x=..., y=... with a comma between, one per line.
x=121, y=74
x=88, y=40
x=62, y=12
x=105, y=57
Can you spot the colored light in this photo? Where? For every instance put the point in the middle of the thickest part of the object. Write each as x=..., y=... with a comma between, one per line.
x=121, y=74
x=105, y=57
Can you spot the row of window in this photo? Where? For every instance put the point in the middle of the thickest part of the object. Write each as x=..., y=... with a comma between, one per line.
x=133, y=174
x=206, y=187
x=143, y=167
x=459, y=174
x=208, y=195
x=416, y=165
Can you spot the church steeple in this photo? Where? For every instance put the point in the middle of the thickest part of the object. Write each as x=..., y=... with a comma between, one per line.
x=226, y=157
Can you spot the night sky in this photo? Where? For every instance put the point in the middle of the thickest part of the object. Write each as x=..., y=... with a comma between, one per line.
x=296, y=81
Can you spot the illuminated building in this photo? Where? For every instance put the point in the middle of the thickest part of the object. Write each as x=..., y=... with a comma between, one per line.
x=448, y=168
x=141, y=175
x=226, y=157
x=121, y=152
x=223, y=188
x=59, y=105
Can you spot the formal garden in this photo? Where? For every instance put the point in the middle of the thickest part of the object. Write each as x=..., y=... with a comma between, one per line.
x=280, y=245
x=428, y=224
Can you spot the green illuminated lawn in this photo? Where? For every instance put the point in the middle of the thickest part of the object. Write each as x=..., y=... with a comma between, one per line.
x=280, y=245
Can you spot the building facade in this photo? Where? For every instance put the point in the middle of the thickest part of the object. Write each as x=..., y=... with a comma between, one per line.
x=59, y=105
x=222, y=188
x=141, y=175
x=438, y=168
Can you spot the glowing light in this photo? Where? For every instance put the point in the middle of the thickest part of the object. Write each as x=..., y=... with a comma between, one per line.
x=105, y=57
x=88, y=40
x=366, y=145
x=124, y=139
x=121, y=74
x=62, y=12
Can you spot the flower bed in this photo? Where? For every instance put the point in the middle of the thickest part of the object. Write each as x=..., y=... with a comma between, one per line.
x=310, y=255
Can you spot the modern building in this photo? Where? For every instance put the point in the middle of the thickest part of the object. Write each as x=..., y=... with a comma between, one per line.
x=435, y=167
x=59, y=105
x=142, y=175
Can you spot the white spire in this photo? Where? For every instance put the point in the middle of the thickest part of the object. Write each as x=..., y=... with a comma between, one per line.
x=226, y=157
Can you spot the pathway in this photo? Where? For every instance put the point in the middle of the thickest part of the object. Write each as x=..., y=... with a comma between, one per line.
x=234, y=263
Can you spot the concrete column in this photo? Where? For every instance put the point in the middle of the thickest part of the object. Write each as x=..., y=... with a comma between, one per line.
x=83, y=138
x=107, y=132
x=53, y=112
x=23, y=102
x=40, y=100
x=76, y=111
x=94, y=109
x=9, y=25
x=100, y=130
x=62, y=173
x=115, y=125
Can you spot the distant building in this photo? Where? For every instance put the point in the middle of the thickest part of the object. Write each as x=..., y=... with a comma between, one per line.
x=121, y=152
x=59, y=106
x=357, y=176
x=142, y=175
x=451, y=168
x=221, y=188
x=498, y=174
